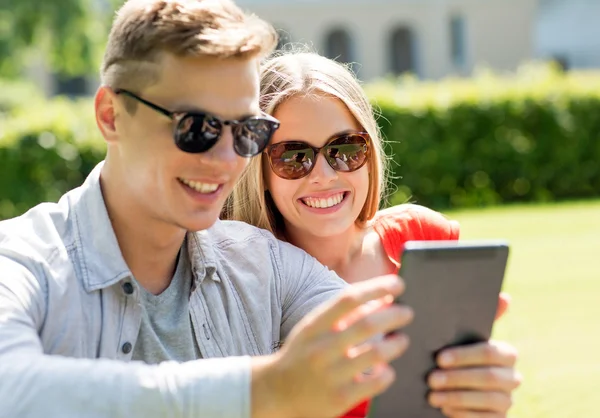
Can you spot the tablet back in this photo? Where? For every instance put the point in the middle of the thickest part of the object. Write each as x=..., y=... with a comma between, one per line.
x=453, y=289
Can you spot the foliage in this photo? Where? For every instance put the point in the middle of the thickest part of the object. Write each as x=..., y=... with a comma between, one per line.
x=46, y=149
x=489, y=140
x=67, y=33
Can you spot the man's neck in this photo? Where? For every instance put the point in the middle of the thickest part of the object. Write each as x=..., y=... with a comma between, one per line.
x=149, y=247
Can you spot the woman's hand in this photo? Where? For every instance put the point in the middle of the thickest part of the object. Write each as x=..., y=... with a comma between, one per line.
x=475, y=381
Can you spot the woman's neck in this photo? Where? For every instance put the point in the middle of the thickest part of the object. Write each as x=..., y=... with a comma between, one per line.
x=335, y=252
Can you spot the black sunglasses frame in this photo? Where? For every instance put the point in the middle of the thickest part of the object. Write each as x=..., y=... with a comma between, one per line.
x=236, y=125
x=319, y=150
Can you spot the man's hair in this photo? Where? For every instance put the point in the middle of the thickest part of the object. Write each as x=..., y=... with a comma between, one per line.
x=143, y=29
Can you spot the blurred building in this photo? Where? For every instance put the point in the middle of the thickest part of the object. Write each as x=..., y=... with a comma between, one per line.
x=430, y=38
x=569, y=32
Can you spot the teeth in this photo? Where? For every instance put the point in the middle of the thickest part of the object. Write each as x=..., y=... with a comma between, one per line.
x=314, y=202
x=201, y=187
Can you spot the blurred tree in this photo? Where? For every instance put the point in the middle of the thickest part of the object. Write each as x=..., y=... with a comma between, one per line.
x=68, y=33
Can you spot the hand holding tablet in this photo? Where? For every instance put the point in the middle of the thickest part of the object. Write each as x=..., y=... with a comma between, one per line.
x=453, y=289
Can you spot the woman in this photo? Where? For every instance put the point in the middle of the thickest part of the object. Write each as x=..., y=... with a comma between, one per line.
x=318, y=186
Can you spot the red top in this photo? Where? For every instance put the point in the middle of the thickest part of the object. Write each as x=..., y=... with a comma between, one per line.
x=396, y=226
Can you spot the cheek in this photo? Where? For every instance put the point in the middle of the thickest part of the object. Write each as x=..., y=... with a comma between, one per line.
x=155, y=166
x=360, y=182
x=149, y=146
x=282, y=191
x=241, y=164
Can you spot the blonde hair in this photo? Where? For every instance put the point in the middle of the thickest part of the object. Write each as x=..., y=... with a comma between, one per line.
x=143, y=29
x=305, y=73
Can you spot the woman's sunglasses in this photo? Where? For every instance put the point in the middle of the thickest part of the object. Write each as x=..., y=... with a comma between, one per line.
x=293, y=160
x=197, y=132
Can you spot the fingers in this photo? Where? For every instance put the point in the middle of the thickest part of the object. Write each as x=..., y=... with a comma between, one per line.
x=504, y=301
x=364, y=332
x=368, y=387
x=362, y=311
x=386, y=319
x=503, y=379
x=456, y=413
x=497, y=402
x=323, y=320
x=475, y=380
x=491, y=353
x=371, y=355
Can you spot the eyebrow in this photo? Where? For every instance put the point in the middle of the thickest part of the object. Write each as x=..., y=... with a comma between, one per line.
x=346, y=131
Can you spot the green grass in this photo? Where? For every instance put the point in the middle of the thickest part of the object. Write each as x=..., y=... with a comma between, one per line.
x=553, y=277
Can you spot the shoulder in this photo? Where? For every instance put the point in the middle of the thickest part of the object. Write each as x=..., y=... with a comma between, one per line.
x=398, y=224
x=416, y=222
x=39, y=235
x=236, y=241
x=34, y=255
x=225, y=233
x=256, y=258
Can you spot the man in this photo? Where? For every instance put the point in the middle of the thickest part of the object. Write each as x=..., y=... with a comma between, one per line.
x=111, y=274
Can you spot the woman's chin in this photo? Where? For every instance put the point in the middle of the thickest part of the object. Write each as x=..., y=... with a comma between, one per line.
x=330, y=229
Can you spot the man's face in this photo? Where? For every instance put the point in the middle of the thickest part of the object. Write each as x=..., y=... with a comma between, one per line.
x=164, y=183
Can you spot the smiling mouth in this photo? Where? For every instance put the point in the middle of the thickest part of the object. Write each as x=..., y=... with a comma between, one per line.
x=321, y=203
x=200, y=187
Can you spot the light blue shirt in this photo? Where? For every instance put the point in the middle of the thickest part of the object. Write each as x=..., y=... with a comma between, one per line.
x=70, y=315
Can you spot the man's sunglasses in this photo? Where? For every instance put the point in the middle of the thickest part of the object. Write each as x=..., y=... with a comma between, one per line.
x=293, y=160
x=197, y=132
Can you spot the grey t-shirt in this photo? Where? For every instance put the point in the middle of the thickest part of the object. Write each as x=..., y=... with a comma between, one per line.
x=166, y=331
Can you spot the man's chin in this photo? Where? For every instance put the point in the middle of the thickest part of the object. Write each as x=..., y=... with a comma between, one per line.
x=197, y=220
x=196, y=225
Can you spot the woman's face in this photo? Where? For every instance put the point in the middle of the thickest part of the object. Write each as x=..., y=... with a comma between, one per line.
x=326, y=202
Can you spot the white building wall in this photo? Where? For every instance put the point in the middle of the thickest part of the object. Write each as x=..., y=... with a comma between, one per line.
x=569, y=29
x=499, y=33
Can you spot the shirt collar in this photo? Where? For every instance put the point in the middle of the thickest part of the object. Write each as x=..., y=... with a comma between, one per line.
x=202, y=256
x=102, y=262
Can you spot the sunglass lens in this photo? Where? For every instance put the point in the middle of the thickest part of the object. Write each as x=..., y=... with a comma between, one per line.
x=197, y=133
x=291, y=160
x=347, y=153
x=252, y=136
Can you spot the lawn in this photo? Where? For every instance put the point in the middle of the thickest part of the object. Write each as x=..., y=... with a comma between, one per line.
x=554, y=320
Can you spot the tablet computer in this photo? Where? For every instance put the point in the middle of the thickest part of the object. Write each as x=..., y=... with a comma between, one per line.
x=453, y=288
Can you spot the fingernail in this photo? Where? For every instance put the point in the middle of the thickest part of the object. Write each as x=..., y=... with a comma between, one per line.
x=438, y=379
x=446, y=359
x=407, y=312
x=437, y=399
x=395, y=285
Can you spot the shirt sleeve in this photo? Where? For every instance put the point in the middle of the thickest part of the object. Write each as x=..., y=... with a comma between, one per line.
x=402, y=223
x=305, y=284
x=34, y=384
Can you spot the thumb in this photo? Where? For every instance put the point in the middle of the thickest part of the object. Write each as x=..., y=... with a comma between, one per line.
x=504, y=300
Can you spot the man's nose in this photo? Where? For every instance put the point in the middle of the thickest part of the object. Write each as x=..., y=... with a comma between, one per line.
x=222, y=155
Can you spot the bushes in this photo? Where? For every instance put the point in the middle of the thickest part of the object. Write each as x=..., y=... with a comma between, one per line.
x=534, y=136
x=46, y=148
x=15, y=93
x=491, y=140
